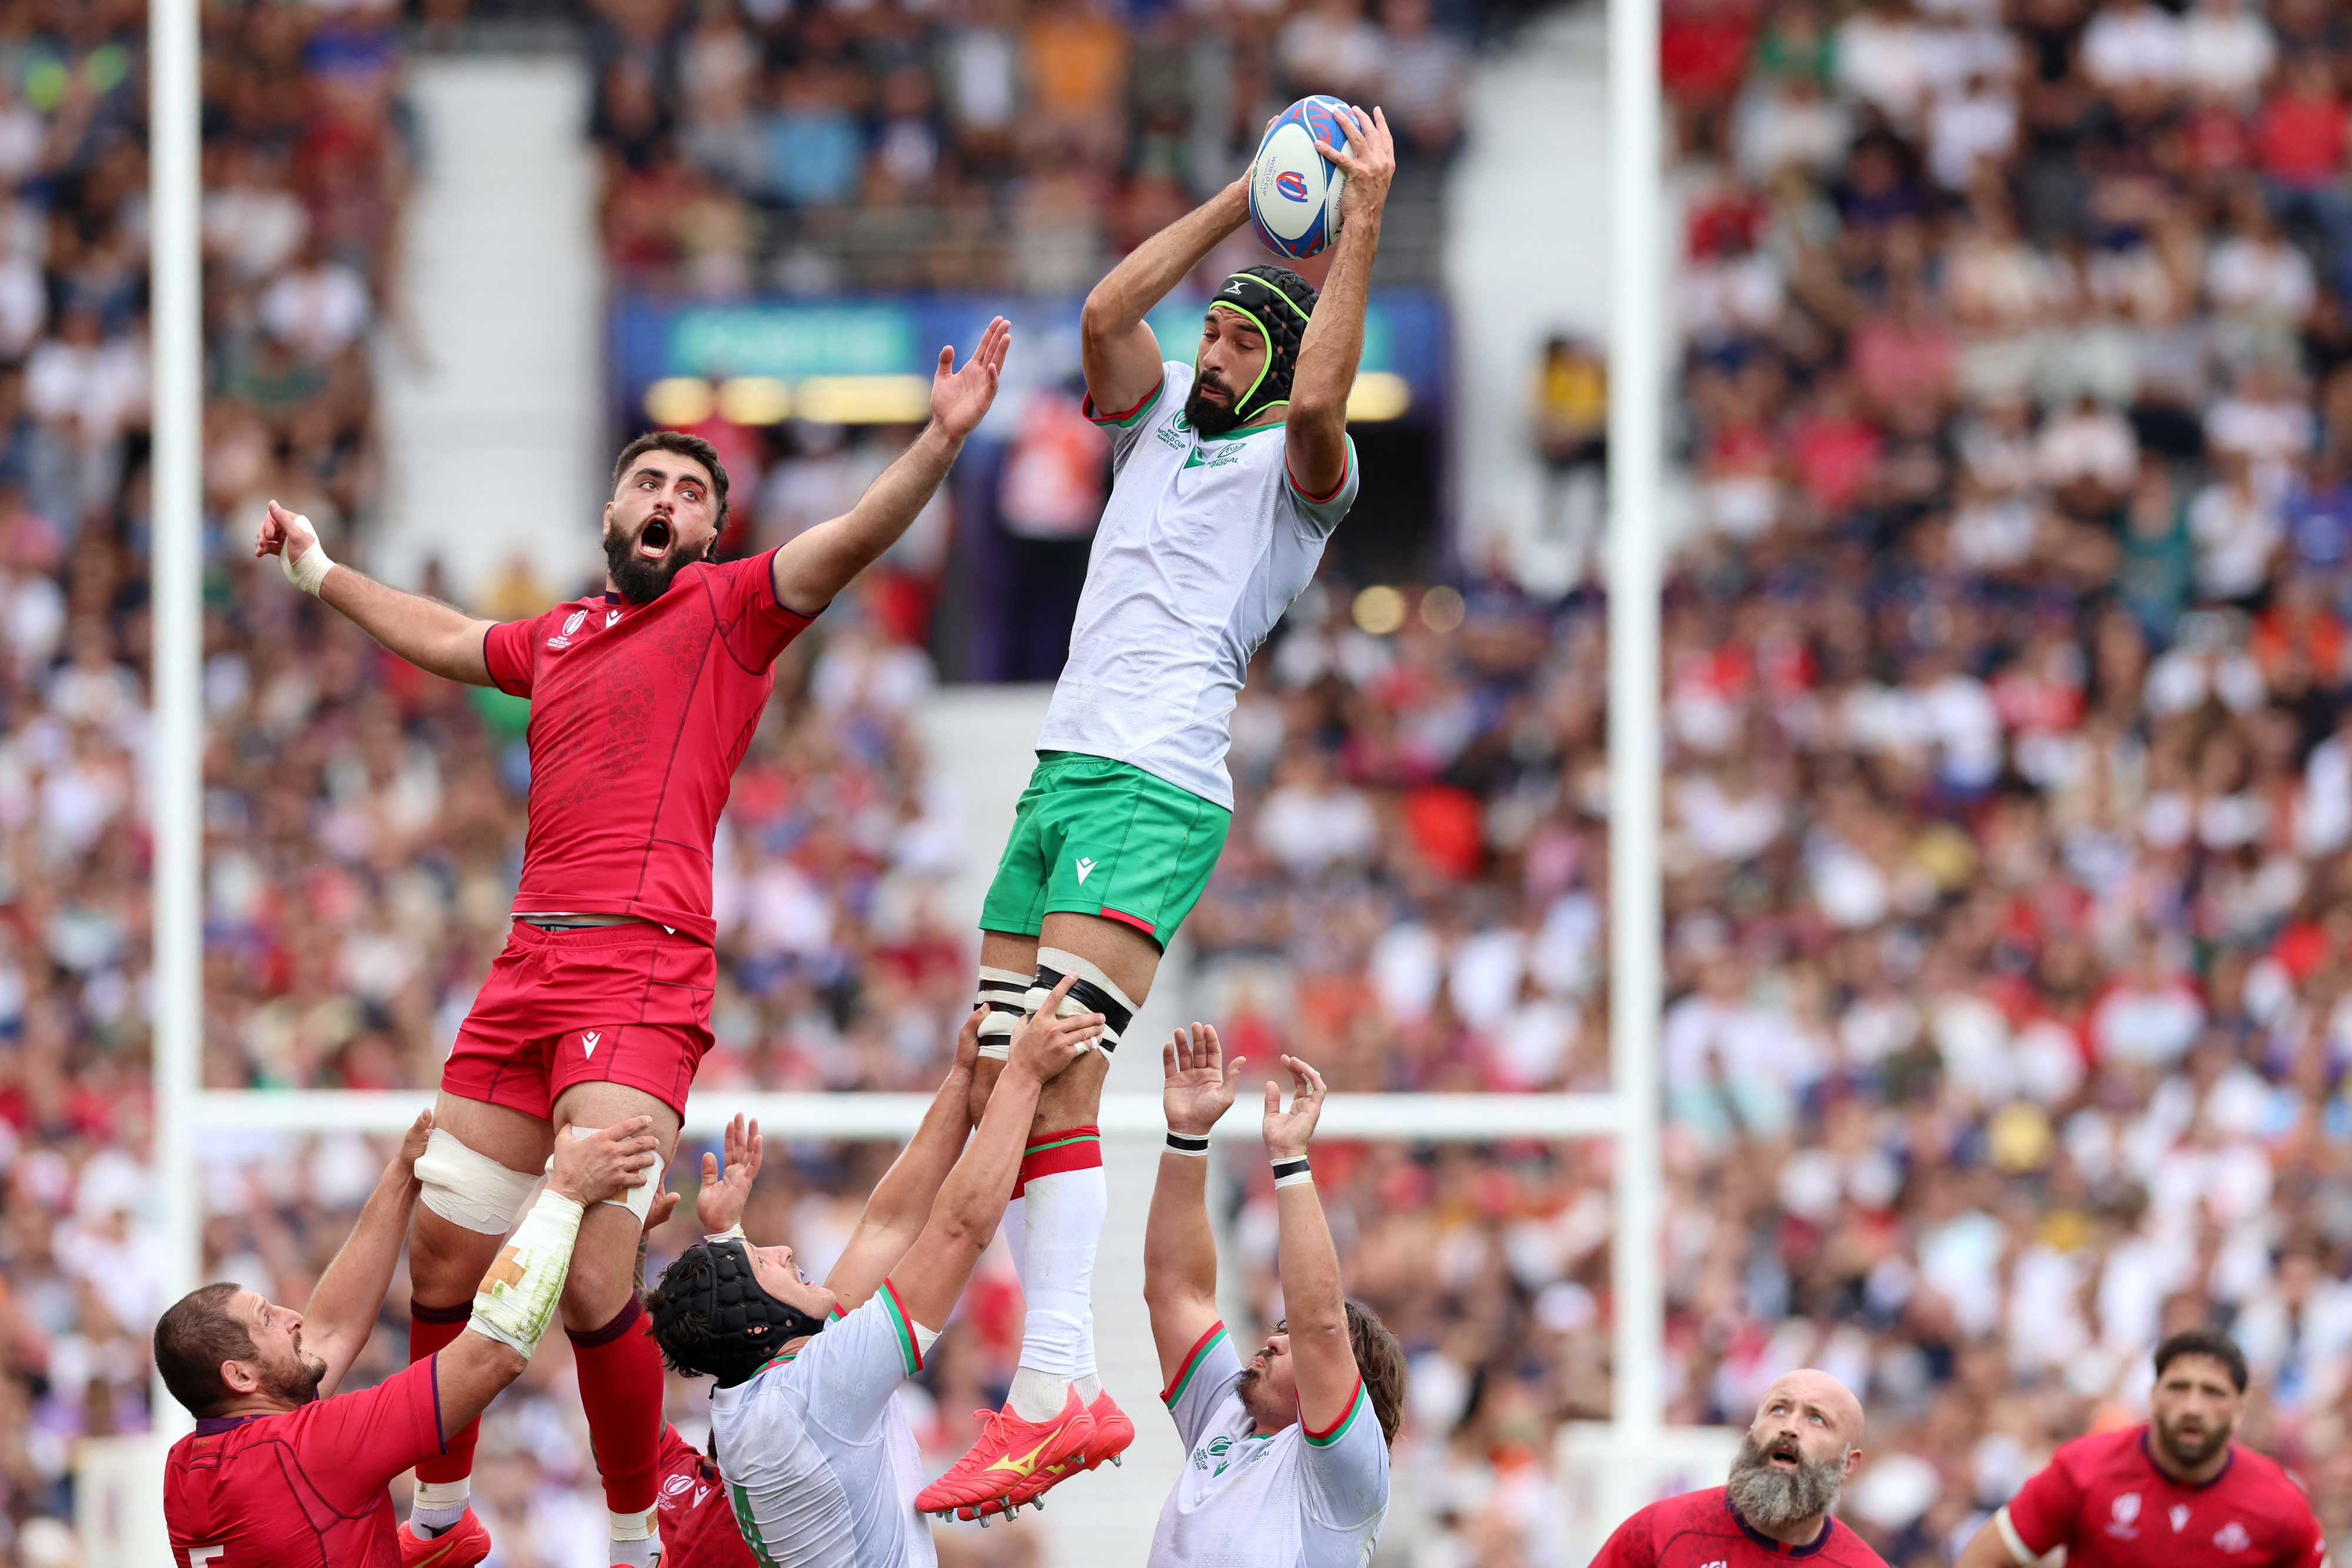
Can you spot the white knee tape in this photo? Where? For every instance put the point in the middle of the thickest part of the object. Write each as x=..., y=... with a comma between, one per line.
x=1093, y=993
x=470, y=1189
x=639, y=1200
x=1004, y=993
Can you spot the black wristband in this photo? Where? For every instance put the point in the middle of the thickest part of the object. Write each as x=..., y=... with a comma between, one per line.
x=1288, y=1171
x=1185, y=1144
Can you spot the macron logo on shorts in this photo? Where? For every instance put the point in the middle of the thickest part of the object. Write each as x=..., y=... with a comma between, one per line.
x=1084, y=865
x=588, y=1042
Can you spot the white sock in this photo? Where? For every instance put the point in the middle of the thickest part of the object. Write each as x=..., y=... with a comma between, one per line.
x=438, y=1505
x=1063, y=1226
x=636, y=1542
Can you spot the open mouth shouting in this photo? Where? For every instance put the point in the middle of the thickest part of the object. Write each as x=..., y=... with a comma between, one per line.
x=1784, y=1455
x=652, y=540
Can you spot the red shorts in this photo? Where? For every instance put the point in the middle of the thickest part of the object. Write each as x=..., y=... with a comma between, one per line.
x=599, y=1004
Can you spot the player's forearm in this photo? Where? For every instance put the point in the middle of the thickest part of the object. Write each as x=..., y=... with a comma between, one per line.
x=902, y=1199
x=1989, y=1547
x=1143, y=279
x=1180, y=1251
x=972, y=1198
x=1309, y=1264
x=819, y=564
x=345, y=1303
x=1334, y=342
x=435, y=637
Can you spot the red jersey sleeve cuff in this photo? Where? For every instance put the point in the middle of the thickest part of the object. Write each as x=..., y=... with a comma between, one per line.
x=1346, y=463
x=1132, y=414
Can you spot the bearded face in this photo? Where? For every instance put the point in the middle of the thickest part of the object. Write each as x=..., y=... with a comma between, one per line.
x=1210, y=406
x=644, y=563
x=2190, y=1438
x=295, y=1379
x=1774, y=1486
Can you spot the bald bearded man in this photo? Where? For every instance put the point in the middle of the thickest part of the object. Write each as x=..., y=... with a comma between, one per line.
x=1805, y=1440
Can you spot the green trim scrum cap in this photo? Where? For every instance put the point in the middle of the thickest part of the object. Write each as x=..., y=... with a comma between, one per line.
x=1278, y=303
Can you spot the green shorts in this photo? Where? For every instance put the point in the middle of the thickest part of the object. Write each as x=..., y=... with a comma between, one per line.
x=1096, y=837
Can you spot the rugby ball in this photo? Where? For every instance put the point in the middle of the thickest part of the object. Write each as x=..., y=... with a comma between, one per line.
x=1293, y=193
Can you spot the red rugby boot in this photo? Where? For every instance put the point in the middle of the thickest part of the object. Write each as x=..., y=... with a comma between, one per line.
x=461, y=1545
x=1008, y=1459
x=1113, y=1431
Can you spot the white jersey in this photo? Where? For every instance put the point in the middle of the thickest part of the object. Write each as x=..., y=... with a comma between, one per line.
x=820, y=1465
x=1289, y=1501
x=1204, y=543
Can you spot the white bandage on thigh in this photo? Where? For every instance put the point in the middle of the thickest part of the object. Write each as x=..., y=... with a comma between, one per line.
x=637, y=1201
x=516, y=1299
x=1004, y=993
x=470, y=1189
x=1092, y=993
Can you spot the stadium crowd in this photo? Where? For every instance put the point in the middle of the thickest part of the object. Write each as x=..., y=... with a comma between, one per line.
x=1018, y=144
x=2009, y=803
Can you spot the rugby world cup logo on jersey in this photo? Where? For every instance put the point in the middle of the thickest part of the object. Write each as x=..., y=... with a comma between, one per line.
x=2125, y=1525
x=571, y=624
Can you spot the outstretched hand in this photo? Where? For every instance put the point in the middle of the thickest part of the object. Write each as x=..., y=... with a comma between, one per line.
x=1288, y=1133
x=1199, y=1081
x=960, y=398
x=719, y=1205
x=284, y=532
x=1369, y=161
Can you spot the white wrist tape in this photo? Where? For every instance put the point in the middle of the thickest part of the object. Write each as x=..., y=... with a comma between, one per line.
x=516, y=1299
x=312, y=569
x=469, y=1189
x=637, y=1201
x=733, y=1233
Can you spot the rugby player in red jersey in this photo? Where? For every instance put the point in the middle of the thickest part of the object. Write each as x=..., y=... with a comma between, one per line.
x=1805, y=1440
x=697, y=1524
x=2172, y=1493
x=644, y=700
x=284, y=1472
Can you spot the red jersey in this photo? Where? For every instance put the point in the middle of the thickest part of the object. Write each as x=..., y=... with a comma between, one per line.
x=1700, y=1529
x=304, y=1489
x=697, y=1523
x=638, y=715
x=2103, y=1498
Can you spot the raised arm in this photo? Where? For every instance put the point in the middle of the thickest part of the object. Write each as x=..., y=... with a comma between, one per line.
x=1120, y=355
x=1316, y=428
x=971, y=1203
x=349, y=1296
x=1180, y=1251
x=435, y=637
x=517, y=1298
x=819, y=563
x=1307, y=1264
x=901, y=1202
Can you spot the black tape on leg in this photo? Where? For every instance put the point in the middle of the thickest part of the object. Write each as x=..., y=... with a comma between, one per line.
x=1085, y=996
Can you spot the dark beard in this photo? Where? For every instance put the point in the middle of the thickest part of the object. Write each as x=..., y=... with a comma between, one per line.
x=1210, y=418
x=642, y=581
x=299, y=1386
x=2181, y=1453
x=1775, y=1499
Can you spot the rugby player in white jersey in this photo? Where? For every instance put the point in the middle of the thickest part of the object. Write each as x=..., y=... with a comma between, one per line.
x=820, y=1463
x=1230, y=474
x=1285, y=1460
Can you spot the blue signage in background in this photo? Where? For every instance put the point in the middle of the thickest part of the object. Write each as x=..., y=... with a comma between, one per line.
x=869, y=360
